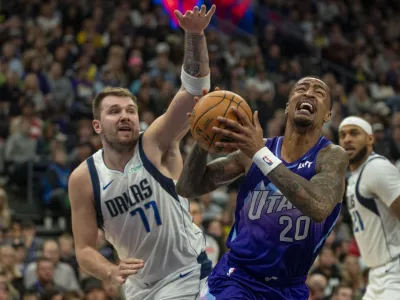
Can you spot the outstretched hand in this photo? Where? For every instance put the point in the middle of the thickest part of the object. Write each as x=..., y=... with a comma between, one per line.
x=248, y=137
x=195, y=21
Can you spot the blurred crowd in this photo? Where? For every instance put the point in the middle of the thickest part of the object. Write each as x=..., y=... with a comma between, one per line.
x=56, y=55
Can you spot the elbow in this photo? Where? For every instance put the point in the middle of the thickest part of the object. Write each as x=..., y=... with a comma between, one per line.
x=318, y=218
x=81, y=257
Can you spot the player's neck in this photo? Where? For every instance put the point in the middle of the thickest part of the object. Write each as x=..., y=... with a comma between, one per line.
x=296, y=144
x=117, y=160
x=356, y=164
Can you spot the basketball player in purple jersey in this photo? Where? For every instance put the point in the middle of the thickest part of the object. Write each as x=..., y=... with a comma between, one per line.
x=287, y=204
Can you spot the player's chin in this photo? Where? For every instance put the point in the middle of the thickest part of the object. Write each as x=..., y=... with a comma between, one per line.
x=303, y=121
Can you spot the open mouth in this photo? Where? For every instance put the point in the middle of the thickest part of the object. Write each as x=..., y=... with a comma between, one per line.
x=306, y=106
x=349, y=148
x=124, y=128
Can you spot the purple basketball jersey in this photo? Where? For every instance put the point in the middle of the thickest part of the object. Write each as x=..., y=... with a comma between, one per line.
x=271, y=239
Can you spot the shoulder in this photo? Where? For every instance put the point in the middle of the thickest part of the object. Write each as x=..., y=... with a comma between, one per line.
x=80, y=180
x=332, y=158
x=379, y=166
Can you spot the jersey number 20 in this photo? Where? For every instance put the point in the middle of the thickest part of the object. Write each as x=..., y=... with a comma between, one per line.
x=298, y=236
x=142, y=214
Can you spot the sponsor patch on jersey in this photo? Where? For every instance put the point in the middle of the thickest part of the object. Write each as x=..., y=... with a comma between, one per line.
x=135, y=168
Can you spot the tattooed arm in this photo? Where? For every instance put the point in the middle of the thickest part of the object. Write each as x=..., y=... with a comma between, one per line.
x=166, y=132
x=199, y=178
x=318, y=197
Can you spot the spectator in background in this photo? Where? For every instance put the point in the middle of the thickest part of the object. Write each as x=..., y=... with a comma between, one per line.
x=67, y=252
x=210, y=209
x=5, y=213
x=212, y=246
x=317, y=284
x=61, y=88
x=55, y=183
x=33, y=244
x=8, y=263
x=64, y=275
x=20, y=151
x=327, y=266
x=342, y=292
x=45, y=272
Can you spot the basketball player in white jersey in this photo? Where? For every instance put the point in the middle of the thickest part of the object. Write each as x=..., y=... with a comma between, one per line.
x=373, y=199
x=128, y=187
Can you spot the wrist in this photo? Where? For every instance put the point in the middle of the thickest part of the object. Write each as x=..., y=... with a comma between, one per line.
x=195, y=85
x=111, y=271
x=265, y=160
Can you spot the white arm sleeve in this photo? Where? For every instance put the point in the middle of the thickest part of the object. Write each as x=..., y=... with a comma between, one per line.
x=382, y=179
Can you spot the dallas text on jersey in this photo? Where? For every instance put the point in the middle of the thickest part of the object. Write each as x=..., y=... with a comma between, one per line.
x=121, y=204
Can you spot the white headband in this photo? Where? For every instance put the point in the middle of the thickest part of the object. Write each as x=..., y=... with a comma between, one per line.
x=356, y=121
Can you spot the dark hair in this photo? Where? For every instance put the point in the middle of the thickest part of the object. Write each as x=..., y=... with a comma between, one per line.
x=109, y=91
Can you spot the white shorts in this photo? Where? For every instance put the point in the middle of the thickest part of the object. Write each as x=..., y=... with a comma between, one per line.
x=384, y=282
x=184, y=285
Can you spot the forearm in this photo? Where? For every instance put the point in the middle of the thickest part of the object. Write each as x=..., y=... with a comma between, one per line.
x=95, y=264
x=303, y=194
x=189, y=184
x=199, y=178
x=196, y=61
x=317, y=197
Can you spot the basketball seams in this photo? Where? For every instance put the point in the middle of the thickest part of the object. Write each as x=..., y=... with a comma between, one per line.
x=227, y=108
x=238, y=105
x=206, y=111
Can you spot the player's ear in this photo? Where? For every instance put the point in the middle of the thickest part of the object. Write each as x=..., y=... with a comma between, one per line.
x=370, y=140
x=327, y=117
x=96, y=126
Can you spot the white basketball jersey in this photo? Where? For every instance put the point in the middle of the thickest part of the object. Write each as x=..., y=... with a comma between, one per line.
x=143, y=217
x=371, y=189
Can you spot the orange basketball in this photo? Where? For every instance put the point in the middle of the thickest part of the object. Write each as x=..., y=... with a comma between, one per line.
x=205, y=114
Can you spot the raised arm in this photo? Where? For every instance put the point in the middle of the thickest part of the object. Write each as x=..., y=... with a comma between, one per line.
x=85, y=228
x=173, y=125
x=199, y=178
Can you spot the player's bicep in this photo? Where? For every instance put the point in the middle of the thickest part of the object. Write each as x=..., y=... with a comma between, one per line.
x=84, y=224
x=332, y=163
